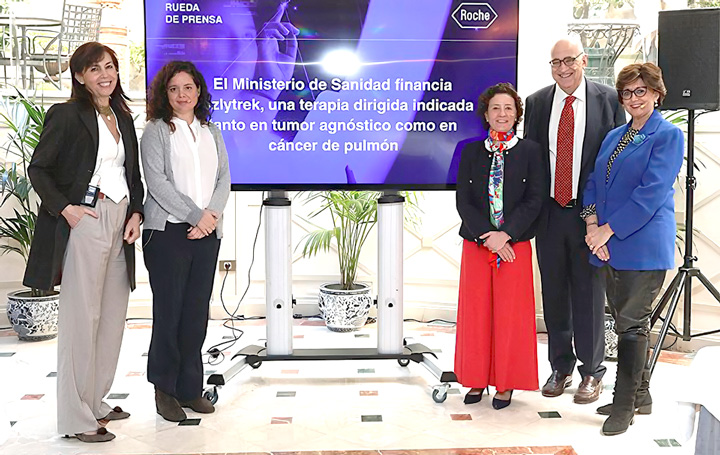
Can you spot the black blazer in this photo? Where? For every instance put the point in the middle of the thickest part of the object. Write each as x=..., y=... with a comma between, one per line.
x=522, y=190
x=603, y=113
x=60, y=172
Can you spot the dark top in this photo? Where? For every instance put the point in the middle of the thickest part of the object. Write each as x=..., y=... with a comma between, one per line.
x=603, y=112
x=523, y=188
x=60, y=172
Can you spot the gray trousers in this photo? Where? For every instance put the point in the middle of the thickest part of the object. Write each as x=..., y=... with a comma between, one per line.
x=93, y=305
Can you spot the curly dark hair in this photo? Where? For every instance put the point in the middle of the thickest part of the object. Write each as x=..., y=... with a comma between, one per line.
x=83, y=58
x=158, y=104
x=487, y=95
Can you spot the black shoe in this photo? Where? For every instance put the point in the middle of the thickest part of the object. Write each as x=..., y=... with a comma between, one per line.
x=500, y=404
x=642, y=409
x=616, y=425
x=471, y=398
x=168, y=407
x=101, y=435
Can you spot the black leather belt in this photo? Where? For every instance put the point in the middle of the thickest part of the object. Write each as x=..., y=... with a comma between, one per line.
x=573, y=203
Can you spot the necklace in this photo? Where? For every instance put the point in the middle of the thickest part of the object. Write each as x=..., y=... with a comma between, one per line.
x=106, y=111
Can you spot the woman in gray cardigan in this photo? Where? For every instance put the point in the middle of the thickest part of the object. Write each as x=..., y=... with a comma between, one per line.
x=185, y=165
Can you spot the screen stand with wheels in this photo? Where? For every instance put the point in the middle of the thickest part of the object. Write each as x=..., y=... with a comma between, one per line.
x=391, y=343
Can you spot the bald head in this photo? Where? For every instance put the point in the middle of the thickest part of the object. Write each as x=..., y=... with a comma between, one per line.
x=568, y=77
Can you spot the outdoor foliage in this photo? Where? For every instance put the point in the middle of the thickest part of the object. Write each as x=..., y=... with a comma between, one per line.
x=24, y=118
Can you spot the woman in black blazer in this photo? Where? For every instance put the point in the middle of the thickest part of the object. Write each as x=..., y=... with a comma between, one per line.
x=85, y=170
x=499, y=196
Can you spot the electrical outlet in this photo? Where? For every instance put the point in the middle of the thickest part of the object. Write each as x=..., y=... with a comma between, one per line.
x=226, y=266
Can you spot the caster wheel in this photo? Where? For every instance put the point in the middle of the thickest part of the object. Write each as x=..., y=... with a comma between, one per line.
x=255, y=365
x=404, y=362
x=211, y=395
x=439, y=396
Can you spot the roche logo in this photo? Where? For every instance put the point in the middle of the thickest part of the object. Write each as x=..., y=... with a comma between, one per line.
x=474, y=15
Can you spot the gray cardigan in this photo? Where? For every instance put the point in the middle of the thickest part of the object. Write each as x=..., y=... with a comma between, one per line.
x=163, y=198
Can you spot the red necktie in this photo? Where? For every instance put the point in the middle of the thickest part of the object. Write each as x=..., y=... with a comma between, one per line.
x=564, y=157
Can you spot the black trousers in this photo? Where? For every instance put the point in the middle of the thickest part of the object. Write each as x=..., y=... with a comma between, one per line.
x=181, y=277
x=573, y=301
x=630, y=295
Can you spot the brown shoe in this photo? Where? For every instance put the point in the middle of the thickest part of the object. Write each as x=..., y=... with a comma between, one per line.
x=199, y=404
x=589, y=390
x=168, y=407
x=556, y=384
x=101, y=435
x=116, y=414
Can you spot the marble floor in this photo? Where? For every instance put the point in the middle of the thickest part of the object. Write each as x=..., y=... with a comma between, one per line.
x=369, y=406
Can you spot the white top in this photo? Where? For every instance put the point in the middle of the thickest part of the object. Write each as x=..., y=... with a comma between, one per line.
x=194, y=162
x=579, y=109
x=109, y=173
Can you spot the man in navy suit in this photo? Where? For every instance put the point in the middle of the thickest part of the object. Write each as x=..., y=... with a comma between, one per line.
x=569, y=119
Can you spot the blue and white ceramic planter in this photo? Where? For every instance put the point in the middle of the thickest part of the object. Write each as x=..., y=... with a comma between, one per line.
x=344, y=310
x=33, y=318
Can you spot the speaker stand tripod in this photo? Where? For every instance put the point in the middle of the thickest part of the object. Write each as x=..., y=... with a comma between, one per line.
x=682, y=283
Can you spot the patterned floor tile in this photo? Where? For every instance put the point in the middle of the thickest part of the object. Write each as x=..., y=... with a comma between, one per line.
x=189, y=422
x=371, y=418
x=368, y=393
x=460, y=417
x=118, y=396
x=33, y=396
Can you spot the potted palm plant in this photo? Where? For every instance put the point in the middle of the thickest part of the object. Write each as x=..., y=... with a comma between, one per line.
x=345, y=305
x=32, y=312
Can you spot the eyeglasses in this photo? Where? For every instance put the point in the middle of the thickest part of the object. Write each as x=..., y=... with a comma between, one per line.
x=627, y=94
x=568, y=61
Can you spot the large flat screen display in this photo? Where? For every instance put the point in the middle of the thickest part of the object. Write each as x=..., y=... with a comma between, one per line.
x=340, y=93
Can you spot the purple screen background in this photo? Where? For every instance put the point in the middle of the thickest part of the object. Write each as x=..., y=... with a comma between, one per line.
x=412, y=39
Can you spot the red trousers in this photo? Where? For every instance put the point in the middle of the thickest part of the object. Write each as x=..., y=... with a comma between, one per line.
x=496, y=342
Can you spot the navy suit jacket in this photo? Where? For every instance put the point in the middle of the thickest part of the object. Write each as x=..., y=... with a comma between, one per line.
x=637, y=201
x=603, y=112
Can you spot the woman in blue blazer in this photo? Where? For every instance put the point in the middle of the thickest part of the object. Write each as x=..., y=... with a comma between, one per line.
x=630, y=216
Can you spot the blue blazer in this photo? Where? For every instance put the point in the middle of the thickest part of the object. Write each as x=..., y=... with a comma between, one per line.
x=637, y=201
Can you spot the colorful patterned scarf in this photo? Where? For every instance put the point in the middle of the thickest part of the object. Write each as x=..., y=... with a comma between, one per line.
x=497, y=143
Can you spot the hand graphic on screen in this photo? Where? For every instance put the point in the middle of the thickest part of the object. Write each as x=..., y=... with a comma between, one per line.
x=276, y=61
